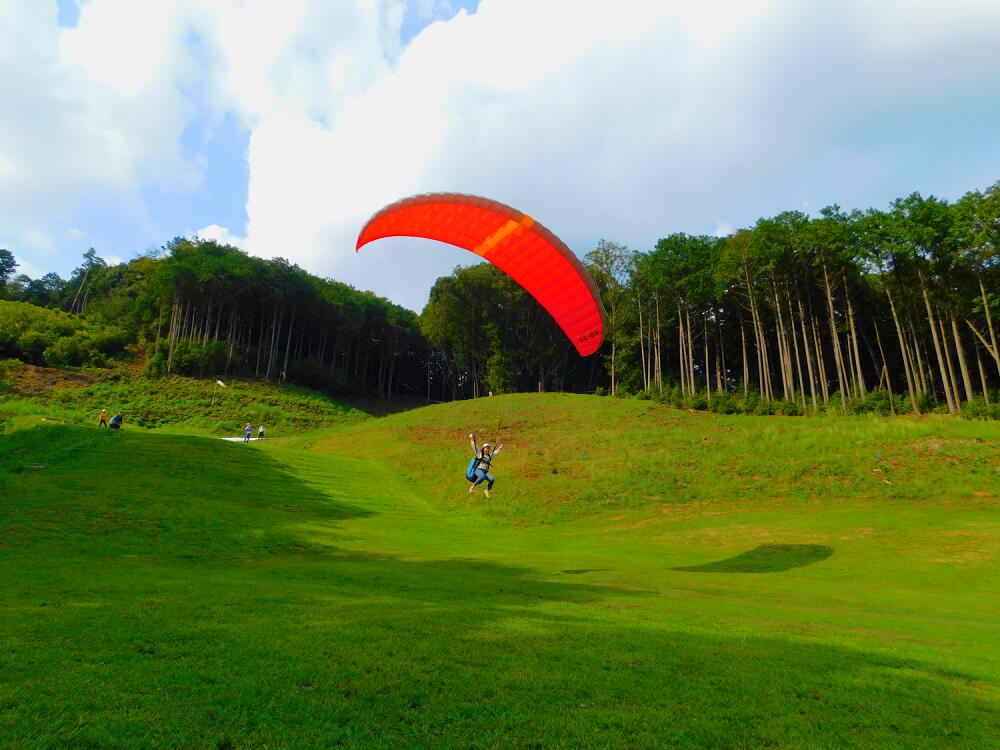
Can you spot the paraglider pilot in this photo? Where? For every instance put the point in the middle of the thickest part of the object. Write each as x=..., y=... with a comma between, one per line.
x=479, y=468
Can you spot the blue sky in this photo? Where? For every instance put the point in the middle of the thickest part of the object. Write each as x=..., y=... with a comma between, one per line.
x=220, y=198
x=282, y=127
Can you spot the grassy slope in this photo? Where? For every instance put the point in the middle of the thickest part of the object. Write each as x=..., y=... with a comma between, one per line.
x=567, y=455
x=177, y=403
x=176, y=591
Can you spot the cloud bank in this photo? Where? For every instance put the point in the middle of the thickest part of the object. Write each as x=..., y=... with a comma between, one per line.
x=625, y=120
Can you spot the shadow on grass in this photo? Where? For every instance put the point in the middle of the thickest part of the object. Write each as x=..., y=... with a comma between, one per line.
x=161, y=496
x=292, y=643
x=370, y=651
x=767, y=558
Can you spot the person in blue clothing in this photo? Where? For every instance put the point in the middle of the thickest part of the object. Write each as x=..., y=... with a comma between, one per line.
x=247, y=432
x=483, y=458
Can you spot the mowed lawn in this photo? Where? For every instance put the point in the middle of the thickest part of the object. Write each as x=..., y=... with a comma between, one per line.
x=643, y=577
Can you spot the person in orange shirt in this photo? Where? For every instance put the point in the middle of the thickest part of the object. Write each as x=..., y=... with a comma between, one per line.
x=104, y=420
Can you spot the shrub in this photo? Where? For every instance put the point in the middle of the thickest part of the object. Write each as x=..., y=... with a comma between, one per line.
x=875, y=402
x=789, y=409
x=696, y=401
x=979, y=409
x=48, y=337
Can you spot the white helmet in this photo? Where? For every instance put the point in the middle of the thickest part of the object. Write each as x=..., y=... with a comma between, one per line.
x=485, y=446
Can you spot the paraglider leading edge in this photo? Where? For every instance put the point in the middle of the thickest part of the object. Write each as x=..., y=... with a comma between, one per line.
x=511, y=240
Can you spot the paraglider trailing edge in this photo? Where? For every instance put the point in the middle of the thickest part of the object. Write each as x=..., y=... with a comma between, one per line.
x=512, y=241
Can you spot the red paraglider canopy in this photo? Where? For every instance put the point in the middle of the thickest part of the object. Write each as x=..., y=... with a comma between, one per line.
x=513, y=242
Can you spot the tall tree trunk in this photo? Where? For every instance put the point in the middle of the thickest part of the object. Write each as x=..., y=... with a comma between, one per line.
x=960, y=354
x=276, y=324
x=231, y=341
x=708, y=377
x=746, y=367
x=928, y=373
x=680, y=351
x=937, y=347
x=951, y=370
x=260, y=345
x=642, y=348
x=862, y=391
x=805, y=346
x=763, y=361
x=820, y=363
x=659, y=353
x=989, y=322
x=925, y=380
x=835, y=339
x=690, y=340
x=904, y=353
x=288, y=345
x=724, y=372
x=718, y=373
x=172, y=336
x=982, y=375
x=787, y=387
x=885, y=369
x=986, y=344
x=614, y=384
x=795, y=345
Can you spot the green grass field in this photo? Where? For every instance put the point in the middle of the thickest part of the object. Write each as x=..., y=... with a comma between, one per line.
x=642, y=577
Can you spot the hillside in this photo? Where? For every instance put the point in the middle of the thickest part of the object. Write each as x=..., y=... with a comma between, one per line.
x=566, y=455
x=339, y=589
x=178, y=403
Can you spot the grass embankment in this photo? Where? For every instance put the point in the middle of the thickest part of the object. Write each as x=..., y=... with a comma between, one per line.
x=566, y=455
x=178, y=403
x=170, y=591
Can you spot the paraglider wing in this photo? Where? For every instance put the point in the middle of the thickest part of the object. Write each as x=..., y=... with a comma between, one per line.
x=513, y=242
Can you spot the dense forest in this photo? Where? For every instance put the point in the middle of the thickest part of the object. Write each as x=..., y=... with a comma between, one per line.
x=877, y=310
x=204, y=309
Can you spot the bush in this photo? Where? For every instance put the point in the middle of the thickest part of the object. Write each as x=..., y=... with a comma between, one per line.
x=789, y=409
x=48, y=337
x=696, y=401
x=979, y=409
x=876, y=402
x=8, y=370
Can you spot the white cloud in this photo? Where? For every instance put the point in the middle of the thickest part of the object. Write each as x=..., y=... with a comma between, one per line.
x=639, y=119
x=625, y=120
x=28, y=269
x=222, y=235
x=88, y=112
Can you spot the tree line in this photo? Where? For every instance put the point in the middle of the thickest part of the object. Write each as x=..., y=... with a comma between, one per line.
x=891, y=308
x=888, y=310
x=206, y=309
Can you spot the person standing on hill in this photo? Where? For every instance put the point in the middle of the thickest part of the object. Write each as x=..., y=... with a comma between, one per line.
x=260, y=432
x=103, y=420
x=247, y=432
x=479, y=469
